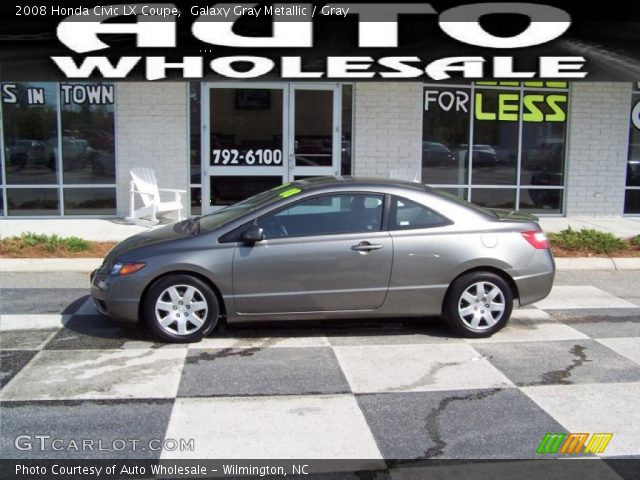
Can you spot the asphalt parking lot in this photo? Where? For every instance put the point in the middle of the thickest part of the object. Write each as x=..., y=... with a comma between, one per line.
x=368, y=390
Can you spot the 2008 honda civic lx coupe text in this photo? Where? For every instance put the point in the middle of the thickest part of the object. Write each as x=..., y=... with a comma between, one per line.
x=330, y=247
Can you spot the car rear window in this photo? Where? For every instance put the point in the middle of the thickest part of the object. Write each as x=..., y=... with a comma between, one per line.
x=406, y=214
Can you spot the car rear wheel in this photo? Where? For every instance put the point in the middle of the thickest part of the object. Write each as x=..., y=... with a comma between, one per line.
x=478, y=304
x=181, y=308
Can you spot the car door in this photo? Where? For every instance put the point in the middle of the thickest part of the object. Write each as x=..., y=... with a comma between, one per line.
x=425, y=254
x=323, y=253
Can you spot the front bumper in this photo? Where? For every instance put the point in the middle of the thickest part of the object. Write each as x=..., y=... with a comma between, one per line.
x=117, y=297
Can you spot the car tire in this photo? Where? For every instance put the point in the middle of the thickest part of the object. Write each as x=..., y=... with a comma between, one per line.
x=478, y=304
x=181, y=309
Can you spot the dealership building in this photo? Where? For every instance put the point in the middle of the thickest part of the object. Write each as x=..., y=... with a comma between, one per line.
x=550, y=148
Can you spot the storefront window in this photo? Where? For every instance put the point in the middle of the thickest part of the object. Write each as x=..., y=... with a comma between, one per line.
x=445, y=138
x=632, y=197
x=518, y=137
x=495, y=137
x=89, y=201
x=30, y=133
x=58, y=155
x=195, y=147
x=347, y=129
x=88, y=144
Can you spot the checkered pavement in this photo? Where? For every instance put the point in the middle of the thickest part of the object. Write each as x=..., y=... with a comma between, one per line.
x=368, y=390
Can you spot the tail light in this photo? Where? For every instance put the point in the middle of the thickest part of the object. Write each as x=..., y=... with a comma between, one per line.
x=537, y=239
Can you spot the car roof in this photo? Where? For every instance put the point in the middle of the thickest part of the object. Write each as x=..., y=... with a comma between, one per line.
x=362, y=182
x=387, y=185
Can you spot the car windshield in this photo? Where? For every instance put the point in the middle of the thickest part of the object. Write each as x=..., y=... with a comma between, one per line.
x=228, y=214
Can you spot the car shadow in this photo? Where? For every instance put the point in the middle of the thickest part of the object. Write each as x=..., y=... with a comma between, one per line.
x=82, y=322
x=367, y=327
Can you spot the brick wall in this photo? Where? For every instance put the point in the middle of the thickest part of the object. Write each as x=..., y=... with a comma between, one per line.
x=152, y=131
x=388, y=127
x=598, y=148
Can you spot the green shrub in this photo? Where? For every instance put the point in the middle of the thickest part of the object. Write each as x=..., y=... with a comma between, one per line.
x=75, y=244
x=51, y=243
x=636, y=240
x=587, y=240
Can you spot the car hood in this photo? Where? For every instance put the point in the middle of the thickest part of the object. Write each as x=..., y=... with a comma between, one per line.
x=152, y=237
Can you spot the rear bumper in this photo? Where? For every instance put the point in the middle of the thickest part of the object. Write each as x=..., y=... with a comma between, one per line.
x=536, y=281
x=116, y=297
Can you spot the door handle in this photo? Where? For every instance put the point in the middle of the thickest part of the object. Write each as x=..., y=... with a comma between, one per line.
x=366, y=247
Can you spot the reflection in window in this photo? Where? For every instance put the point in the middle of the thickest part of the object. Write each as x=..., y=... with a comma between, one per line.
x=445, y=136
x=632, y=202
x=543, y=139
x=313, y=142
x=32, y=201
x=90, y=201
x=226, y=190
x=495, y=138
x=196, y=201
x=49, y=128
x=194, y=128
x=458, y=192
x=494, y=197
x=347, y=129
x=88, y=142
x=504, y=115
x=243, y=120
x=30, y=133
x=541, y=200
x=632, y=198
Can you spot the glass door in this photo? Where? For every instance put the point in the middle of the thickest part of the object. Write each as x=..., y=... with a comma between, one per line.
x=242, y=141
x=260, y=135
x=314, y=130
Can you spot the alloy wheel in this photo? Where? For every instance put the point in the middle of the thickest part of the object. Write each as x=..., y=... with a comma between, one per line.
x=181, y=309
x=481, y=306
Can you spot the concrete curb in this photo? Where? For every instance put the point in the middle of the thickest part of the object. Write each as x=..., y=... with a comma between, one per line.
x=49, y=264
x=88, y=264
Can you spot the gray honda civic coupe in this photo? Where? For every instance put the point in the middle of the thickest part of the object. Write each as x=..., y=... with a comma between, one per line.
x=329, y=248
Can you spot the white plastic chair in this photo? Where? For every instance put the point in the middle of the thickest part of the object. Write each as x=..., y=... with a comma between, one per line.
x=145, y=184
x=408, y=174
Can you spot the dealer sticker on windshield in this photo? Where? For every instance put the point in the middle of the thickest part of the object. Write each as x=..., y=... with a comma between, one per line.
x=290, y=192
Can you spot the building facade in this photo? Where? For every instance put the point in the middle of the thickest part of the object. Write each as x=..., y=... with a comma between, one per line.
x=550, y=148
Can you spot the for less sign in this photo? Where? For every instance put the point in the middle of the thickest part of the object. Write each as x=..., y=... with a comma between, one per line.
x=537, y=107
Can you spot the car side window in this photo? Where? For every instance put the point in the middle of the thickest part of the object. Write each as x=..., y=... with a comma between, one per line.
x=406, y=214
x=326, y=215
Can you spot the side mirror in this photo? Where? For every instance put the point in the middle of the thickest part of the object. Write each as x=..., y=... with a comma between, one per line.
x=253, y=234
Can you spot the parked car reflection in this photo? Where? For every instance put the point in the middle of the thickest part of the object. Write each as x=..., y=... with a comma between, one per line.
x=437, y=154
x=29, y=153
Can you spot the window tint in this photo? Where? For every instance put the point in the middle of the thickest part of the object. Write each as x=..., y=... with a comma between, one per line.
x=326, y=215
x=405, y=215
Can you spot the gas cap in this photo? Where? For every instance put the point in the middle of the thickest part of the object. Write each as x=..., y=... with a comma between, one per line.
x=489, y=240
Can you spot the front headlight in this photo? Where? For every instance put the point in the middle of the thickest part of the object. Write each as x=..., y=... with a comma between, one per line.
x=120, y=268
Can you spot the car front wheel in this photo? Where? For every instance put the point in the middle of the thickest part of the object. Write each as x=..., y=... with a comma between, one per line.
x=478, y=304
x=181, y=308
